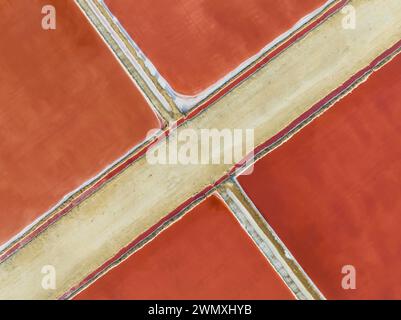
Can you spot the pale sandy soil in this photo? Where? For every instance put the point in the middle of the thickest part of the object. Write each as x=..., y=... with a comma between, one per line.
x=139, y=197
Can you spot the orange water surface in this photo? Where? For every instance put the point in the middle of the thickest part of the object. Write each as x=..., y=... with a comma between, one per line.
x=205, y=255
x=195, y=43
x=333, y=192
x=67, y=109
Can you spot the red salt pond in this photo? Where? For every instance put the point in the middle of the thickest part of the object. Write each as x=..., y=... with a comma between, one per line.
x=205, y=255
x=195, y=43
x=67, y=109
x=333, y=192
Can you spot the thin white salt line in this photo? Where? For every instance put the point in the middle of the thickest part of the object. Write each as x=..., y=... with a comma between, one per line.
x=186, y=103
x=127, y=53
x=262, y=235
x=266, y=247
